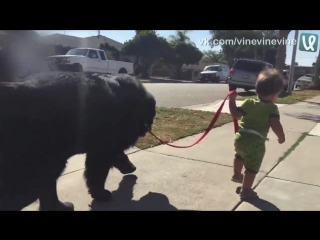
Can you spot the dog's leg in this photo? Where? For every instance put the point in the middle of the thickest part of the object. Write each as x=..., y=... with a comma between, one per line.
x=123, y=164
x=96, y=173
x=48, y=198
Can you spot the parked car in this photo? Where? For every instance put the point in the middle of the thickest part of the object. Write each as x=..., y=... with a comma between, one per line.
x=244, y=73
x=88, y=60
x=303, y=82
x=214, y=73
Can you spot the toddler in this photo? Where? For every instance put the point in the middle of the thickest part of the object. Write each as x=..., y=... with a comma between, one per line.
x=256, y=117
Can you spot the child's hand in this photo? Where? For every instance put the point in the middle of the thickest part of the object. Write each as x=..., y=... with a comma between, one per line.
x=282, y=139
x=233, y=96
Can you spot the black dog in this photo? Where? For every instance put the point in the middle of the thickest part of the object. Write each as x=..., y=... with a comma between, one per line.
x=123, y=164
x=49, y=117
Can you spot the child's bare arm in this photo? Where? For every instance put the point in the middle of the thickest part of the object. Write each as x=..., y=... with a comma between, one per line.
x=276, y=127
x=236, y=114
x=234, y=109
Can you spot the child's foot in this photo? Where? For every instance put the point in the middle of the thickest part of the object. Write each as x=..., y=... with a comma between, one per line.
x=237, y=179
x=248, y=194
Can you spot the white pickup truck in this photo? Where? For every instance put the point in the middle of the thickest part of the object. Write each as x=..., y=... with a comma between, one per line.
x=88, y=60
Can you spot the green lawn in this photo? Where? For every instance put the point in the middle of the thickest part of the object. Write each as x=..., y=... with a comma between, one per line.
x=171, y=124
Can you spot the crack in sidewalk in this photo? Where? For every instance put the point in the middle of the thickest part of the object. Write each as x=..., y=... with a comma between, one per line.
x=308, y=184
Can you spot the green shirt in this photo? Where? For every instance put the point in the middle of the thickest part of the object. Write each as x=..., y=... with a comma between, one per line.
x=256, y=115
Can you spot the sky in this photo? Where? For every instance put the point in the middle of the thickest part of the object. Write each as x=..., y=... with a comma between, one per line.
x=197, y=36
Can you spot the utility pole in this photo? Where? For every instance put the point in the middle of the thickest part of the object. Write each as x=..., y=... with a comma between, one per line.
x=293, y=62
x=316, y=70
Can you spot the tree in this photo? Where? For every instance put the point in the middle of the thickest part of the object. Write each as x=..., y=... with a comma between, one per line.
x=282, y=50
x=61, y=50
x=114, y=51
x=270, y=56
x=269, y=52
x=211, y=56
x=148, y=48
x=237, y=50
x=317, y=70
x=181, y=36
x=243, y=50
x=185, y=50
x=140, y=31
x=186, y=53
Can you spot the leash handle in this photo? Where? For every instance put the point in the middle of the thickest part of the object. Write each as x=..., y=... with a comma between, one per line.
x=209, y=128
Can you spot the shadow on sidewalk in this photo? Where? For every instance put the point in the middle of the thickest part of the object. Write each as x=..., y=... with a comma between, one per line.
x=122, y=199
x=260, y=203
x=263, y=205
x=306, y=116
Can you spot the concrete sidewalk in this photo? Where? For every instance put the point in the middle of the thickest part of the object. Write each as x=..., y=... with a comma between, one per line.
x=199, y=178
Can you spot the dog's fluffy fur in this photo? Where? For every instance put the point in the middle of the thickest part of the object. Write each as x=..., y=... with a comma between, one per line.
x=49, y=117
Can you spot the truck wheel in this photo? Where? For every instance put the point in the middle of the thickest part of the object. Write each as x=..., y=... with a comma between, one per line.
x=77, y=67
x=122, y=71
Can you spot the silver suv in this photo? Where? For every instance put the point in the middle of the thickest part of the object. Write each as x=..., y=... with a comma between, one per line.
x=244, y=73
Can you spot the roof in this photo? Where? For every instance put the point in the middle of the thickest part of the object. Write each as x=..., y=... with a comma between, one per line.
x=77, y=42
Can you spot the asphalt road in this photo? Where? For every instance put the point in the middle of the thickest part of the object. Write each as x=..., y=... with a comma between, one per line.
x=186, y=94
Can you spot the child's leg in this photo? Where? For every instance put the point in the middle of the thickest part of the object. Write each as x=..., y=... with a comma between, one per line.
x=247, y=191
x=252, y=164
x=248, y=180
x=238, y=163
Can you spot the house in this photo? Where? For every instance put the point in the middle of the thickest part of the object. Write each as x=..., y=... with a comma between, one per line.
x=78, y=42
x=87, y=42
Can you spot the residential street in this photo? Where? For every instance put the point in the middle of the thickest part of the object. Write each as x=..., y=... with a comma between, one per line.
x=186, y=94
